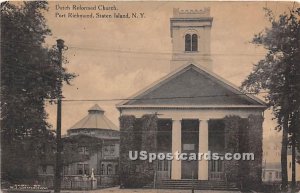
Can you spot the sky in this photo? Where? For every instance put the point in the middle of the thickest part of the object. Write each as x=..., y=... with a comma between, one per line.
x=115, y=58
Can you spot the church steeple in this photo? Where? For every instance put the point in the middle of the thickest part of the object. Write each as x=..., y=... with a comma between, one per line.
x=190, y=33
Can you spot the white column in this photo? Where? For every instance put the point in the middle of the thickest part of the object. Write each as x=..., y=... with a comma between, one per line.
x=176, y=147
x=203, y=148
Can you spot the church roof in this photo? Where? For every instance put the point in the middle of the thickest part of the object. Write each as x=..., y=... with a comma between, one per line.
x=95, y=120
x=193, y=87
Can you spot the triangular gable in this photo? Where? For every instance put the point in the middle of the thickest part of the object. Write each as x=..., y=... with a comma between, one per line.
x=192, y=86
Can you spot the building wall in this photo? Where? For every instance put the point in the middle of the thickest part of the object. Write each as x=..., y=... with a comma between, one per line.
x=72, y=169
x=110, y=151
x=201, y=57
x=107, y=155
x=272, y=156
x=289, y=166
x=271, y=175
x=272, y=153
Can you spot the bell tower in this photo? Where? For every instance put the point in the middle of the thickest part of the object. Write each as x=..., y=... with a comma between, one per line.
x=190, y=33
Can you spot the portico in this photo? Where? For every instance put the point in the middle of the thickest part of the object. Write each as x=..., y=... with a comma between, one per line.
x=204, y=117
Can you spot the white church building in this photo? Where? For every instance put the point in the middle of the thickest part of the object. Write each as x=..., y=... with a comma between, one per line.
x=191, y=103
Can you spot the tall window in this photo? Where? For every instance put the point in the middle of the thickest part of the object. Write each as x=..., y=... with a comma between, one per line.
x=44, y=168
x=277, y=174
x=83, y=169
x=216, y=166
x=112, y=149
x=80, y=169
x=194, y=42
x=109, y=169
x=163, y=165
x=191, y=42
x=102, y=169
x=188, y=42
x=83, y=150
x=116, y=169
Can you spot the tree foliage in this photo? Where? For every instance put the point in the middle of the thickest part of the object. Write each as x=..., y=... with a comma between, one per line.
x=72, y=143
x=29, y=75
x=279, y=74
x=127, y=144
x=241, y=136
x=138, y=173
x=279, y=71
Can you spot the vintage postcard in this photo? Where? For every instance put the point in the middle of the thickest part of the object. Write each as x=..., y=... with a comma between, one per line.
x=150, y=96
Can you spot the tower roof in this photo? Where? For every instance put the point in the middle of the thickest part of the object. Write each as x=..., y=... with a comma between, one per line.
x=95, y=120
x=96, y=109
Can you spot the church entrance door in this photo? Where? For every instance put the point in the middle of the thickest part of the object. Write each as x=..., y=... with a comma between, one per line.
x=190, y=146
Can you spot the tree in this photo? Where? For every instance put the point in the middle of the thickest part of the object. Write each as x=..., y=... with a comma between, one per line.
x=29, y=76
x=279, y=74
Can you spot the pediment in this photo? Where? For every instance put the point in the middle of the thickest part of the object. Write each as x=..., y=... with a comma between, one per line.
x=192, y=86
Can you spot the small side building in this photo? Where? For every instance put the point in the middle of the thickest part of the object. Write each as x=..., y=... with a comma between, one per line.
x=271, y=173
x=91, y=150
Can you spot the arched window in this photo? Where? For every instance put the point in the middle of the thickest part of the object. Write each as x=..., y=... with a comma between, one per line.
x=116, y=169
x=83, y=169
x=102, y=169
x=194, y=42
x=188, y=42
x=191, y=42
x=109, y=169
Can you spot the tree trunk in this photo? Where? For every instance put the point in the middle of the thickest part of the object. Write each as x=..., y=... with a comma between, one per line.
x=284, y=175
x=293, y=185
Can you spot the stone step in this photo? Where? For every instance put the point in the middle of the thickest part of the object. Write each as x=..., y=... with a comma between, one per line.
x=201, y=188
x=198, y=185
